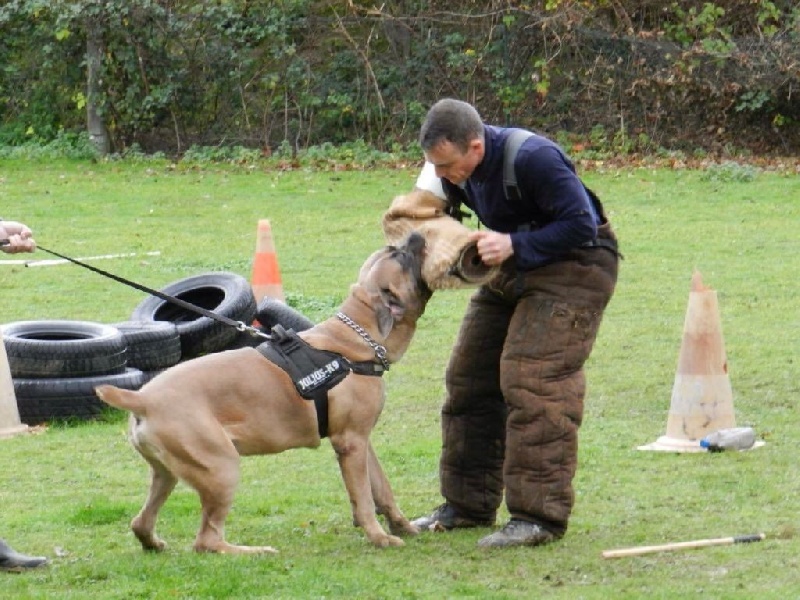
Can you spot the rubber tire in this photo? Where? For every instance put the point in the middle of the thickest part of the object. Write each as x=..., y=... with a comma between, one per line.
x=271, y=312
x=149, y=375
x=152, y=345
x=47, y=399
x=64, y=349
x=226, y=294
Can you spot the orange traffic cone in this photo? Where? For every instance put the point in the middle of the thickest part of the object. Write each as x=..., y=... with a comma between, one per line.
x=702, y=398
x=266, y=277
x=10, y=423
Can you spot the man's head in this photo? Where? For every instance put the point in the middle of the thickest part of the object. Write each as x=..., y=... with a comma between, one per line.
x=452, y=139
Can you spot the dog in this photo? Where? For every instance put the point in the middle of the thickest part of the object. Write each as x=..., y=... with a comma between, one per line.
x=195, y=420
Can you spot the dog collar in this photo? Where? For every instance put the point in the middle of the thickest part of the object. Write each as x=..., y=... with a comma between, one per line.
x=380, y=351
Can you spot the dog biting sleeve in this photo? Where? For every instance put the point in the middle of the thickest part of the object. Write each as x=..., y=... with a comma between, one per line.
x=451, y=258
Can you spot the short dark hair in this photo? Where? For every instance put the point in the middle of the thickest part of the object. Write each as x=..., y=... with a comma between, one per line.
x=450, y=120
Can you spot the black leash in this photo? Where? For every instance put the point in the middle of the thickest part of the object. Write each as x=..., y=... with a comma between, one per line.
x=239, y=325
x=380, y=351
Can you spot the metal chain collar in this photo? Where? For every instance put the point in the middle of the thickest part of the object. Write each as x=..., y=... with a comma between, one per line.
x=380, y=351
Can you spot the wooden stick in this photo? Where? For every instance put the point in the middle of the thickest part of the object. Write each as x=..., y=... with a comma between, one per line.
x=639, y=550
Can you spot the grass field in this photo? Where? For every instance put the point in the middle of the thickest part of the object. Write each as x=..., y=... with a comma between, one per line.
x=70, y=491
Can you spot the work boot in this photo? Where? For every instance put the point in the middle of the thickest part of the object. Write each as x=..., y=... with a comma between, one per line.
x=14, y=561
x=517, y=533
x=445, y=518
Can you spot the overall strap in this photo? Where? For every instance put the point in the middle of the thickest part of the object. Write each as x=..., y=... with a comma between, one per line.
x=510, y=150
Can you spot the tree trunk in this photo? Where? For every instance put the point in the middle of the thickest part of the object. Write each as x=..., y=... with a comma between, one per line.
x=96, y=125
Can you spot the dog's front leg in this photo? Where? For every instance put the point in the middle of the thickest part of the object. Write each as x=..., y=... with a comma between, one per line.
x=384, y=497
x=352, y=453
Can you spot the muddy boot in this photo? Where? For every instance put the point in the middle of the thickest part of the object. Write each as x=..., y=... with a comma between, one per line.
x=518, y=533
x=14, y=561
x=445, y=518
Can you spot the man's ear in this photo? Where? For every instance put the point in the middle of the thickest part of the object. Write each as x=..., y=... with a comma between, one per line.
x=385, y=319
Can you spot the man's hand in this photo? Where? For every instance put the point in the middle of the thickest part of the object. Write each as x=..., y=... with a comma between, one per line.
x=16, y=237
x=493, y=247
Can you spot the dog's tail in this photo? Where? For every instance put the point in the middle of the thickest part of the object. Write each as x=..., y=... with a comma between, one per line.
x=119, y=398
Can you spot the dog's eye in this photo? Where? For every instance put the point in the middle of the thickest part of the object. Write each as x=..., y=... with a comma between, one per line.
x=390, y=295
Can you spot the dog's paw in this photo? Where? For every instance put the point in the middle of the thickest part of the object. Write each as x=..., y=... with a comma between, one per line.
x=149, y=541
x=404, y=527
x=386, y=541
x=393, y=540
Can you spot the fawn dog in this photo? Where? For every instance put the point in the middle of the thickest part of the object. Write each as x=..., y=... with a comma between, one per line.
x=195, y=420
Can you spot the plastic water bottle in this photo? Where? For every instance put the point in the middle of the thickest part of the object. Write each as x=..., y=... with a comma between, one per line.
x=734, y=438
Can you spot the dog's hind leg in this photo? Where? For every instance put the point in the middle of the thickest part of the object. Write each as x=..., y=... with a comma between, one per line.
x=216, y=484
x=143, y=525
x=385, y=503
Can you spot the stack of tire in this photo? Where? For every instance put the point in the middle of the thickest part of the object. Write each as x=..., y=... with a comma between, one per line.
x=55, y=365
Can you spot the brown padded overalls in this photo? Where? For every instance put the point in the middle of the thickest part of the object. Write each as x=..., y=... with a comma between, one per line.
x=515, y=388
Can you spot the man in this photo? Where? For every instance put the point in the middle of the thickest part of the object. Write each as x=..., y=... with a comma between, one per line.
x=16, y=237
x=515, y=382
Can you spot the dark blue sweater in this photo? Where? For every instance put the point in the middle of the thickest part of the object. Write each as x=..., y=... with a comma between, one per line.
x=554, y=199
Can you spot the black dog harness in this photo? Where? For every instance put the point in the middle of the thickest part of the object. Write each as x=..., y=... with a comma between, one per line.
x=313, y=371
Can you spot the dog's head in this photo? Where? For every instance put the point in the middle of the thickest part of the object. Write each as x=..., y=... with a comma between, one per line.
x=393, y=283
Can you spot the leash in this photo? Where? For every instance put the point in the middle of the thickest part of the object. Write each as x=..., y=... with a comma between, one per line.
x=380, y=351
x=239, y=325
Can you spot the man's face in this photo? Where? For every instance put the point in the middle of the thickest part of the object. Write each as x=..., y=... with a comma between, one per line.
x=453, y=164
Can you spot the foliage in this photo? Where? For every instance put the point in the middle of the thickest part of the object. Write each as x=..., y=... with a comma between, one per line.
x=255, y=73
x=69, y=492
x=731, y=171
x=63, y=145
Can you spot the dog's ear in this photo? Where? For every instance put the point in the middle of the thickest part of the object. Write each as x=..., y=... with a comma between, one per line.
x=385, y=319
x=387, y=310
x=390, y=309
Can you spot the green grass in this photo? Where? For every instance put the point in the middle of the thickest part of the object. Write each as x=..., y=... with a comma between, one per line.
x=69, y=492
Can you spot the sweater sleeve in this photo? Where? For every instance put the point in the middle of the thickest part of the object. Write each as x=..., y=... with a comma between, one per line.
x=545, y=176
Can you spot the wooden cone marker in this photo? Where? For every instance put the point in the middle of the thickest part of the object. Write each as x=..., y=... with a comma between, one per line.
x=702, y=398
x=9, y=413
x=266, y=276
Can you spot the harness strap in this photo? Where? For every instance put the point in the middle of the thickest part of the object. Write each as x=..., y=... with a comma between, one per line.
x=314, y=372
x=512, y=145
